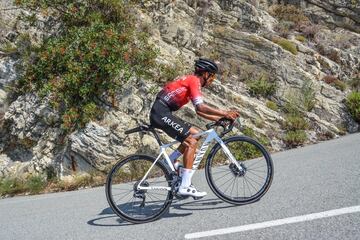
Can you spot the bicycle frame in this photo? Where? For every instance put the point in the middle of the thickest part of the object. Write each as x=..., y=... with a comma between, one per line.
x=211, y=135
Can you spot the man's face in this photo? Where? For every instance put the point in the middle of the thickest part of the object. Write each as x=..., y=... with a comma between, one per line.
x=211, y=78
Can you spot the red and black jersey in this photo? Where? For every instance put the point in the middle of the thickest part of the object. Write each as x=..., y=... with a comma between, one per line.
x=179, y=92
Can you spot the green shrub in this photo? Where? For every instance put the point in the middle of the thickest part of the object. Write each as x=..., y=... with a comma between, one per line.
x=325, y=135
x=355, y=2
x=353, y=105
x=293, y=105
x=259, y=123
x=261, y=87
x=355, y=84
x=295, y=123
x=340, y=85
x=169, y=72
x=98, y=51
x=35, y=184
x=335, y=82
x=286, y=44
x=8, y=48
x=273, y=106
x=251, y=133
x=11, y=186
x=308, y=95
x=295, y=138
x=300, y=38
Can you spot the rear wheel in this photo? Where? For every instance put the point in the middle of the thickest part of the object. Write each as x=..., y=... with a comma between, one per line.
x=232, y=184
x=138, y=206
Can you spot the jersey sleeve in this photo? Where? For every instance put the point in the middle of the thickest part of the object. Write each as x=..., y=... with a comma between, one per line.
x=195, y=91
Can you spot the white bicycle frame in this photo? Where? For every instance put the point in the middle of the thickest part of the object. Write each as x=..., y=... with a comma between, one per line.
x=211, y=134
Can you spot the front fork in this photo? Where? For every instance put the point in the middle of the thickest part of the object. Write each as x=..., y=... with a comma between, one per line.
x=230, y=156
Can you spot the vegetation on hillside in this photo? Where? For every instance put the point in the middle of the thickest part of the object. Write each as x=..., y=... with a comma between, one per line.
x=353, y=105
x=98, y=50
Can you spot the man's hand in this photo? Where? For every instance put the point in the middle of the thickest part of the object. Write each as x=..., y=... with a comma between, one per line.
x=232, y=115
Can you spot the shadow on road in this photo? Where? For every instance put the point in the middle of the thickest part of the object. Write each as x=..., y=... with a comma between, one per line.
x=206, y=204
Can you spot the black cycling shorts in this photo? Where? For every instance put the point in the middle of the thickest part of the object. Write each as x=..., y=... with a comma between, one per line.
x=161, y=117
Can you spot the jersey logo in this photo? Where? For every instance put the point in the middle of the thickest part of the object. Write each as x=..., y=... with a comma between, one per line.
x=173, y=93
x=173, y=124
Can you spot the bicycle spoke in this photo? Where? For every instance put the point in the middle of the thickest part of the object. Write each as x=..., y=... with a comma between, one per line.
x=250, y=184
x=254, y=164
x=233, y=186
x=224, y=183
x=256, y=175
x=252, y=170
x=155, y=196
x=223, y=176
x=228, y=186
x=246, y=182
x=249, y=178
x=244, y=187
x=237, y=188
x=122, y=198
x=221, y=171
x=154, y=201
x=122, y=193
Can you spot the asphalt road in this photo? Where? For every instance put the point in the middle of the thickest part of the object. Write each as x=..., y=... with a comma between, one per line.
x=315, y=195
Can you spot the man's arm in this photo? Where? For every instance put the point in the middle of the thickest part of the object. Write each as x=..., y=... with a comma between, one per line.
x=208, y=116
x=213, y=114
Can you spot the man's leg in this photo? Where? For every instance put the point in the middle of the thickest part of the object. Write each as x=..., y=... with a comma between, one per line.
x=181, y=151
x=189, y=147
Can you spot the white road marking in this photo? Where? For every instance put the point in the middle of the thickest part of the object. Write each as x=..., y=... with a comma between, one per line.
x=273, y=223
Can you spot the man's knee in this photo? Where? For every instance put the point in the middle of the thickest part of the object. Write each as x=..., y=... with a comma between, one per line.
x=190, y=142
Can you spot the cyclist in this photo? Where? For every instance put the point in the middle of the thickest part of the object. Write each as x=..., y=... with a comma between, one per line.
x=171, y=98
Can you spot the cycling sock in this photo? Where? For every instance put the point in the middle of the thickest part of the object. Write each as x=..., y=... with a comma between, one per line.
x=186, y=177
x=176, y=165
x=191, y=174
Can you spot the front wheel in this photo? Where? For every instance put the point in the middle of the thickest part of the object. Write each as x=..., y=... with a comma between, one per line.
x=131, y=204
x=234, y=185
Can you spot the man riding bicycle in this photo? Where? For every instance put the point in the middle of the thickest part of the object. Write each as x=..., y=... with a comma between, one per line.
x=171, y=98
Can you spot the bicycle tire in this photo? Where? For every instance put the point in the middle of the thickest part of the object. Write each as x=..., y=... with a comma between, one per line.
x=245, y=149
x=128, y=172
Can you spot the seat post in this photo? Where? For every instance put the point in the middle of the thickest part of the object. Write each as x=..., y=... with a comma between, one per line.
x=151, y=129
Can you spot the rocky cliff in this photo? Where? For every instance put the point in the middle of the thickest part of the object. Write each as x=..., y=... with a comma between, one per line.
x=308, y=60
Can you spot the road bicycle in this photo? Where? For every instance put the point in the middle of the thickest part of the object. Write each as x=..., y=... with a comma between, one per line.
x=238, y=169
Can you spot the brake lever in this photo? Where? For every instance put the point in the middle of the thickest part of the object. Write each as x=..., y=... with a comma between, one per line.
x=210, y=125
x=228, y=126
x=225, y=123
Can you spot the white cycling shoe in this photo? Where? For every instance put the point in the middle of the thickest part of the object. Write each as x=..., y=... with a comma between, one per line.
x=191, y=191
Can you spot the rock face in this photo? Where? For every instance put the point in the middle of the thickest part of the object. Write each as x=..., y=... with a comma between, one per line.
x=240, y=35
x=344, y=14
